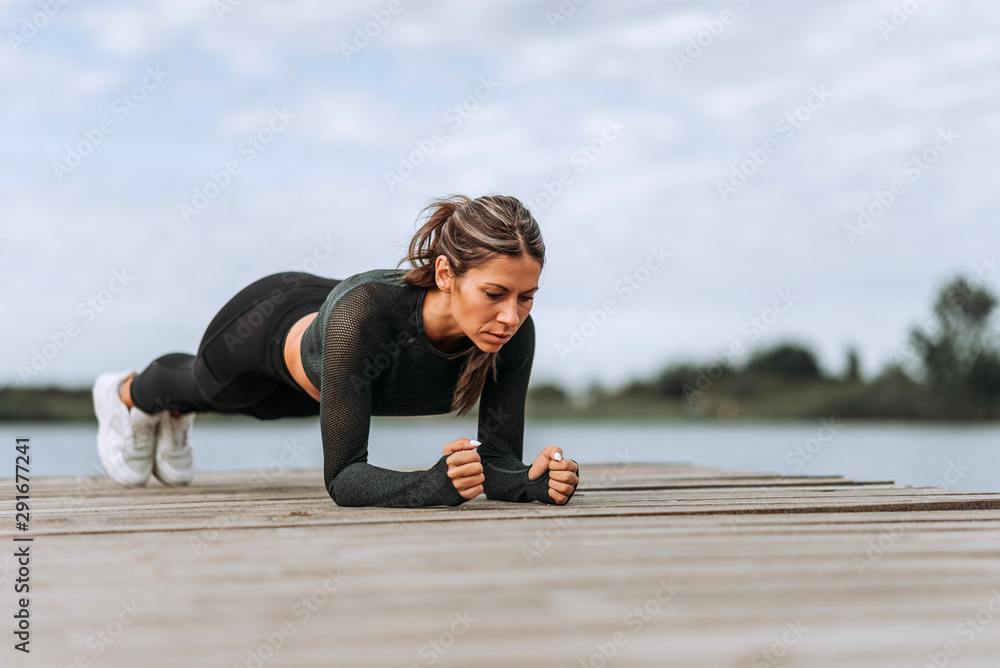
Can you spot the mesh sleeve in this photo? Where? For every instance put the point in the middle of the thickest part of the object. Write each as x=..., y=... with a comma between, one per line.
x=501, y=424
x=351, y=334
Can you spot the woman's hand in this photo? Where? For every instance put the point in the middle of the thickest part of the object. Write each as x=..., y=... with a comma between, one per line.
x=562, y=473
x=464, y=467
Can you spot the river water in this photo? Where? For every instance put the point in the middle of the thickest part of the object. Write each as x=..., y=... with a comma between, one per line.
x=957, y=457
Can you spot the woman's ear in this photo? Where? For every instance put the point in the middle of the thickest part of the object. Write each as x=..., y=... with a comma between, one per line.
x=442, y=273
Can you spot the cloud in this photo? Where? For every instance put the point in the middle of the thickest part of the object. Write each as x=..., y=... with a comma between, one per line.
x=656, y=183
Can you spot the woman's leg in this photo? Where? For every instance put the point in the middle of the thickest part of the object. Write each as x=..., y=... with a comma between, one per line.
x=168, y=383
x=239, y=367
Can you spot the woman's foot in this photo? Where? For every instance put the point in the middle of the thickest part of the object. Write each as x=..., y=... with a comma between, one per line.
x=128, y=460
x=174, y=461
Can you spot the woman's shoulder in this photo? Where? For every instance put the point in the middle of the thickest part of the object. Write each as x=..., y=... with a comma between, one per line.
x=371, y=279
x=365, y=307
x=376, y=293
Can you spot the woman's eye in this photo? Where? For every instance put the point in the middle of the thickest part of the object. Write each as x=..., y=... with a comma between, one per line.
x=495, y=295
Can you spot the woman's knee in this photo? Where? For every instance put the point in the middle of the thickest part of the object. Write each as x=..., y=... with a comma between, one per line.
x=168, y=383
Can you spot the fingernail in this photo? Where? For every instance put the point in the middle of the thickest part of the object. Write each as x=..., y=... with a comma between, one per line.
x=557, y=456
x=473, y=441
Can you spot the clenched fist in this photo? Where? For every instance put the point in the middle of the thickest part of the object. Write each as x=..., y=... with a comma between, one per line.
x=563, y=477
x=465, y=469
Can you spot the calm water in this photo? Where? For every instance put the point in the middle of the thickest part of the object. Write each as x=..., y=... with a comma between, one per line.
x=958, y=457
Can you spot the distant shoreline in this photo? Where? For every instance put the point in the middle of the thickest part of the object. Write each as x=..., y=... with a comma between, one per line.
x=785, y=401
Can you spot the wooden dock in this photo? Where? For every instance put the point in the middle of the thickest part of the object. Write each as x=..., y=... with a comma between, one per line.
x=649, y=565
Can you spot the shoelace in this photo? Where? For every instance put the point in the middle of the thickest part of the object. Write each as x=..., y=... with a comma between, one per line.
x=146, y=430
x=179, y=428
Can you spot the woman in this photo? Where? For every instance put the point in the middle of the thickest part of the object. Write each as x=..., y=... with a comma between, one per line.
x=453, y=329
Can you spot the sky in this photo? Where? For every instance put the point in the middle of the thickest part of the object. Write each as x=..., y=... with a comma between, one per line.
x=708, y=177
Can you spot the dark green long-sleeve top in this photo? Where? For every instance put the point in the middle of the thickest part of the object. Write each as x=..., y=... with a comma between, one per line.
x=368, y=354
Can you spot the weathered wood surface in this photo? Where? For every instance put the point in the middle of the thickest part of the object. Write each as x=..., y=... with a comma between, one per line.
x=655, y=565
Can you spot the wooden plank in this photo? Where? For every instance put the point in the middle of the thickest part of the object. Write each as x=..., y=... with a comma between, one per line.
x=867, y=574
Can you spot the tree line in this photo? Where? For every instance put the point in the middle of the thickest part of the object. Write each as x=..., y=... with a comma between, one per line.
x=948, y=368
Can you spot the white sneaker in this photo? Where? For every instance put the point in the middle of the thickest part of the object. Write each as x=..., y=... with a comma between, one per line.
x=174, y=462
x=126, y=461
x=144, y=430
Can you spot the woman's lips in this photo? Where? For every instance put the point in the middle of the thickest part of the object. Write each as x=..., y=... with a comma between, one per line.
x=498, y=338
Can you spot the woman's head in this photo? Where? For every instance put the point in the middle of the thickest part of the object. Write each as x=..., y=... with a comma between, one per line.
x=487, y=254
x=489, y=302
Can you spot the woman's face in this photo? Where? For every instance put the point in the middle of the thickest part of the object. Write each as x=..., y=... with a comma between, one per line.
x=495, y=298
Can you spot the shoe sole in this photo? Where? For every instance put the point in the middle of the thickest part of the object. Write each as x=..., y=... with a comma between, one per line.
x=171, y=482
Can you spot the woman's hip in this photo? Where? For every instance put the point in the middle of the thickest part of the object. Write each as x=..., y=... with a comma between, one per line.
x=247, y=333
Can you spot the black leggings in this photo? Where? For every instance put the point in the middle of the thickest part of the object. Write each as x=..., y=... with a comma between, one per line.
x=240, y=365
